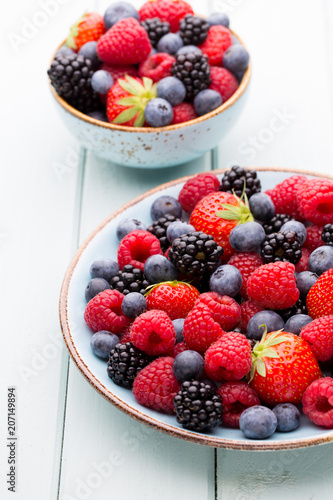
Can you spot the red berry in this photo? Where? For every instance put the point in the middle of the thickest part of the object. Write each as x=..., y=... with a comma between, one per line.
x=315, y=201
x=126, y=42
x=236, y=397
x=153, y=333
x=89, y=28
x=246, y=263
x=313, y=237
x=224, y=310
x=171, y=11
x=223, y=82
x=248, y=309
x=177, y=349
x=318, y=402
x=183, y=112
x=303, y=264
x=274, y=285
x=103, y=312
x=126, y=336
x=196, y=188
x=319, y=300
x=319, y=334
x=200, y=329
x=229, y=358
x=118, y=72
x=157, y=66
x=175, y=298
x=284, y=196
x=155, y=386
x=136, y=247
x=217, y=41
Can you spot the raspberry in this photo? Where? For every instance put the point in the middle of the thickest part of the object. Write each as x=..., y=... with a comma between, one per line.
x=224, y=82
x=196, y=188
x=156, y=386
x=136, y=247
x=318, y=402
x=224, y=310
x=315, y=201
x=313, y=237
x=126, y=336
x=248, y=309
x=246, y=263
x=126, y=42
x=119, y=71
x=183, y=112
x=157, y=66
x=217, y=41
x=303, y=264
x=284, y=196
x=153, y=333
x=229, y=358
x=171, y=11
x=236, y=397
x=103, y=312
x=274, y=285
x=177, y=349
x=200, y=329
x=319, y=334
x=319, y=300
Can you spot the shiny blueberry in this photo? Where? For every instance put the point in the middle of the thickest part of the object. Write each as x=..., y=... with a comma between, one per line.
x=258, y=422
x=218, y=19
x=172, y=90
x=177, y=228
x=158, y=268
x=65, y=51
x=117, y=11
x=101, y=81
x=295, y=323
x=158, y=112
x=170, y=43
x=261, y=206
x=321, y=260
x=98, y=115
x=188, y=365
x=247, y=237
x=133, y=304
x=189, y=48
x=165, y=205
x=226, y=280
x=179, y=327
x=206, y=101
x=271, y=319
x=297, y=227
x=236, y=58
x=102, y=343
x=89, y=50
x=304, y=281
x=288, y=417
x=125, y=226
x=104, y=268
x=94, y=287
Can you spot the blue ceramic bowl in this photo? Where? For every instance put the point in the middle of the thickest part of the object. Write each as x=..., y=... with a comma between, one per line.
x=149, y=147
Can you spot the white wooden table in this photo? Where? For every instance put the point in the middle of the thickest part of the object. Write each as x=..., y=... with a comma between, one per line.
x=71, y=443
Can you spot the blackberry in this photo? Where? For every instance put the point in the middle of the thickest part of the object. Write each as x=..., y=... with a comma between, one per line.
x=193, y=30
x=194, y=71
x=281, y=246
x=129, y=279
x=124, y=364
x=159, y=229
x=274, y=224
x=70, y=76
x=298, y=308
x=234, y=180
x=155, y=29
x=195, y=254
x=197, y=406
x=327, y=234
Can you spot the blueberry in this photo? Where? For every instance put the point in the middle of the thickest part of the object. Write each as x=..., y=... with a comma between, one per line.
x=288, y=417
x=295, y=323
x=170, y=43
x=165, y=205
x=133, y=304
x=247, y=237
x=89, y=50
x=102, y=343
x=98, y=115
x=206, y=101
x=236, y=58
x=258, y=422
x=297, y=227
x=177, y=228
x=261, y=206
x=304, y=281
x=179, y=327
x=101, y=81
x=95, y=286
x=125, y=226
x=218, y=19
x=104, y=268
x=321, y=260
x=271, y=319
x=189, y=48
x=226, y=280
x=188, y=365
x=172, y=90
x=65, y=51
x=158, y=112
x=158, y=268
x=117, y=11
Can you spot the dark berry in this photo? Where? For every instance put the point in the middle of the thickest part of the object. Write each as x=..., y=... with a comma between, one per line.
x=226, y=280
x=125, y=226
x=118, y=11
x=89, y=50
x=170, y=43
x=158, y=112
x=129, y=279
x=239, y=178
x=104, y=268
x=125, y=363
x=261, y=206
x=321, y=260
x=158, y=269
x=171, y=89
x=327, y=234
x=101, y=81
x=275, y=223
x=179, y=327
x=165, y=205
x=94, y=287
x=189, y=48
x=133, y=304
x=159, y=229
x=271, y=319
x=298, y=308
x=188, y=365
x=258, y=422
x=304, y=282
x=236, y=59
x=297, y=227
x=288, y=417
x=194, y=71
x=177, y=229
x=102, y=343
x=282, y=246
x=156, y=29
x=193, y=29
x=295, y=323
x=206, y=101
x=247, y=237
x=218, y=19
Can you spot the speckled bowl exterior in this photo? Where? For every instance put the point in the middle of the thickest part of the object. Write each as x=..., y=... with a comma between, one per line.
x=148, y=147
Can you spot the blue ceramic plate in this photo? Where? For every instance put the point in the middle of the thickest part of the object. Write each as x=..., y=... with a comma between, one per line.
x=103, y=243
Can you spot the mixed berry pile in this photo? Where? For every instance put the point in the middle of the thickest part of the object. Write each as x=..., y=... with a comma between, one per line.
x=157, y=66
x=221, y=311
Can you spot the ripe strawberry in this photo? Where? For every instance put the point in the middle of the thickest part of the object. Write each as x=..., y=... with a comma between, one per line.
x=126, y=42
x=183, y=112
x=171, y=11
x=196, y=188
x=217, y=41
x=283, y=367
x=224, y=82
x=217, y=214
x=315, y=201
x=319, y=334
x=174, y=297
x=319, y=300
x=89, y=28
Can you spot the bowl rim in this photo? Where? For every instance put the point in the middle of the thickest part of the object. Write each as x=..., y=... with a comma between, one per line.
x=93, y=121
x=133, y=412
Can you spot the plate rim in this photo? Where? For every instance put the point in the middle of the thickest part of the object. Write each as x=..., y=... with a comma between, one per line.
x=203, y=439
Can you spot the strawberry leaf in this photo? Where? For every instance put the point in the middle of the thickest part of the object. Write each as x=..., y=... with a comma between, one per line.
x=128, y=87
x=270, y=353
x=147, y=82
x=261, y=367
x=140, y=119
x=128, y=101
x=126, y=115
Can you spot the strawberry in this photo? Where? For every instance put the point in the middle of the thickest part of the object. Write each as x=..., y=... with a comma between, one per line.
x=89, y=28
x=319, y=300
x=283, y=367
x=174, y=297
x=127, y=99
x=217, y=214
